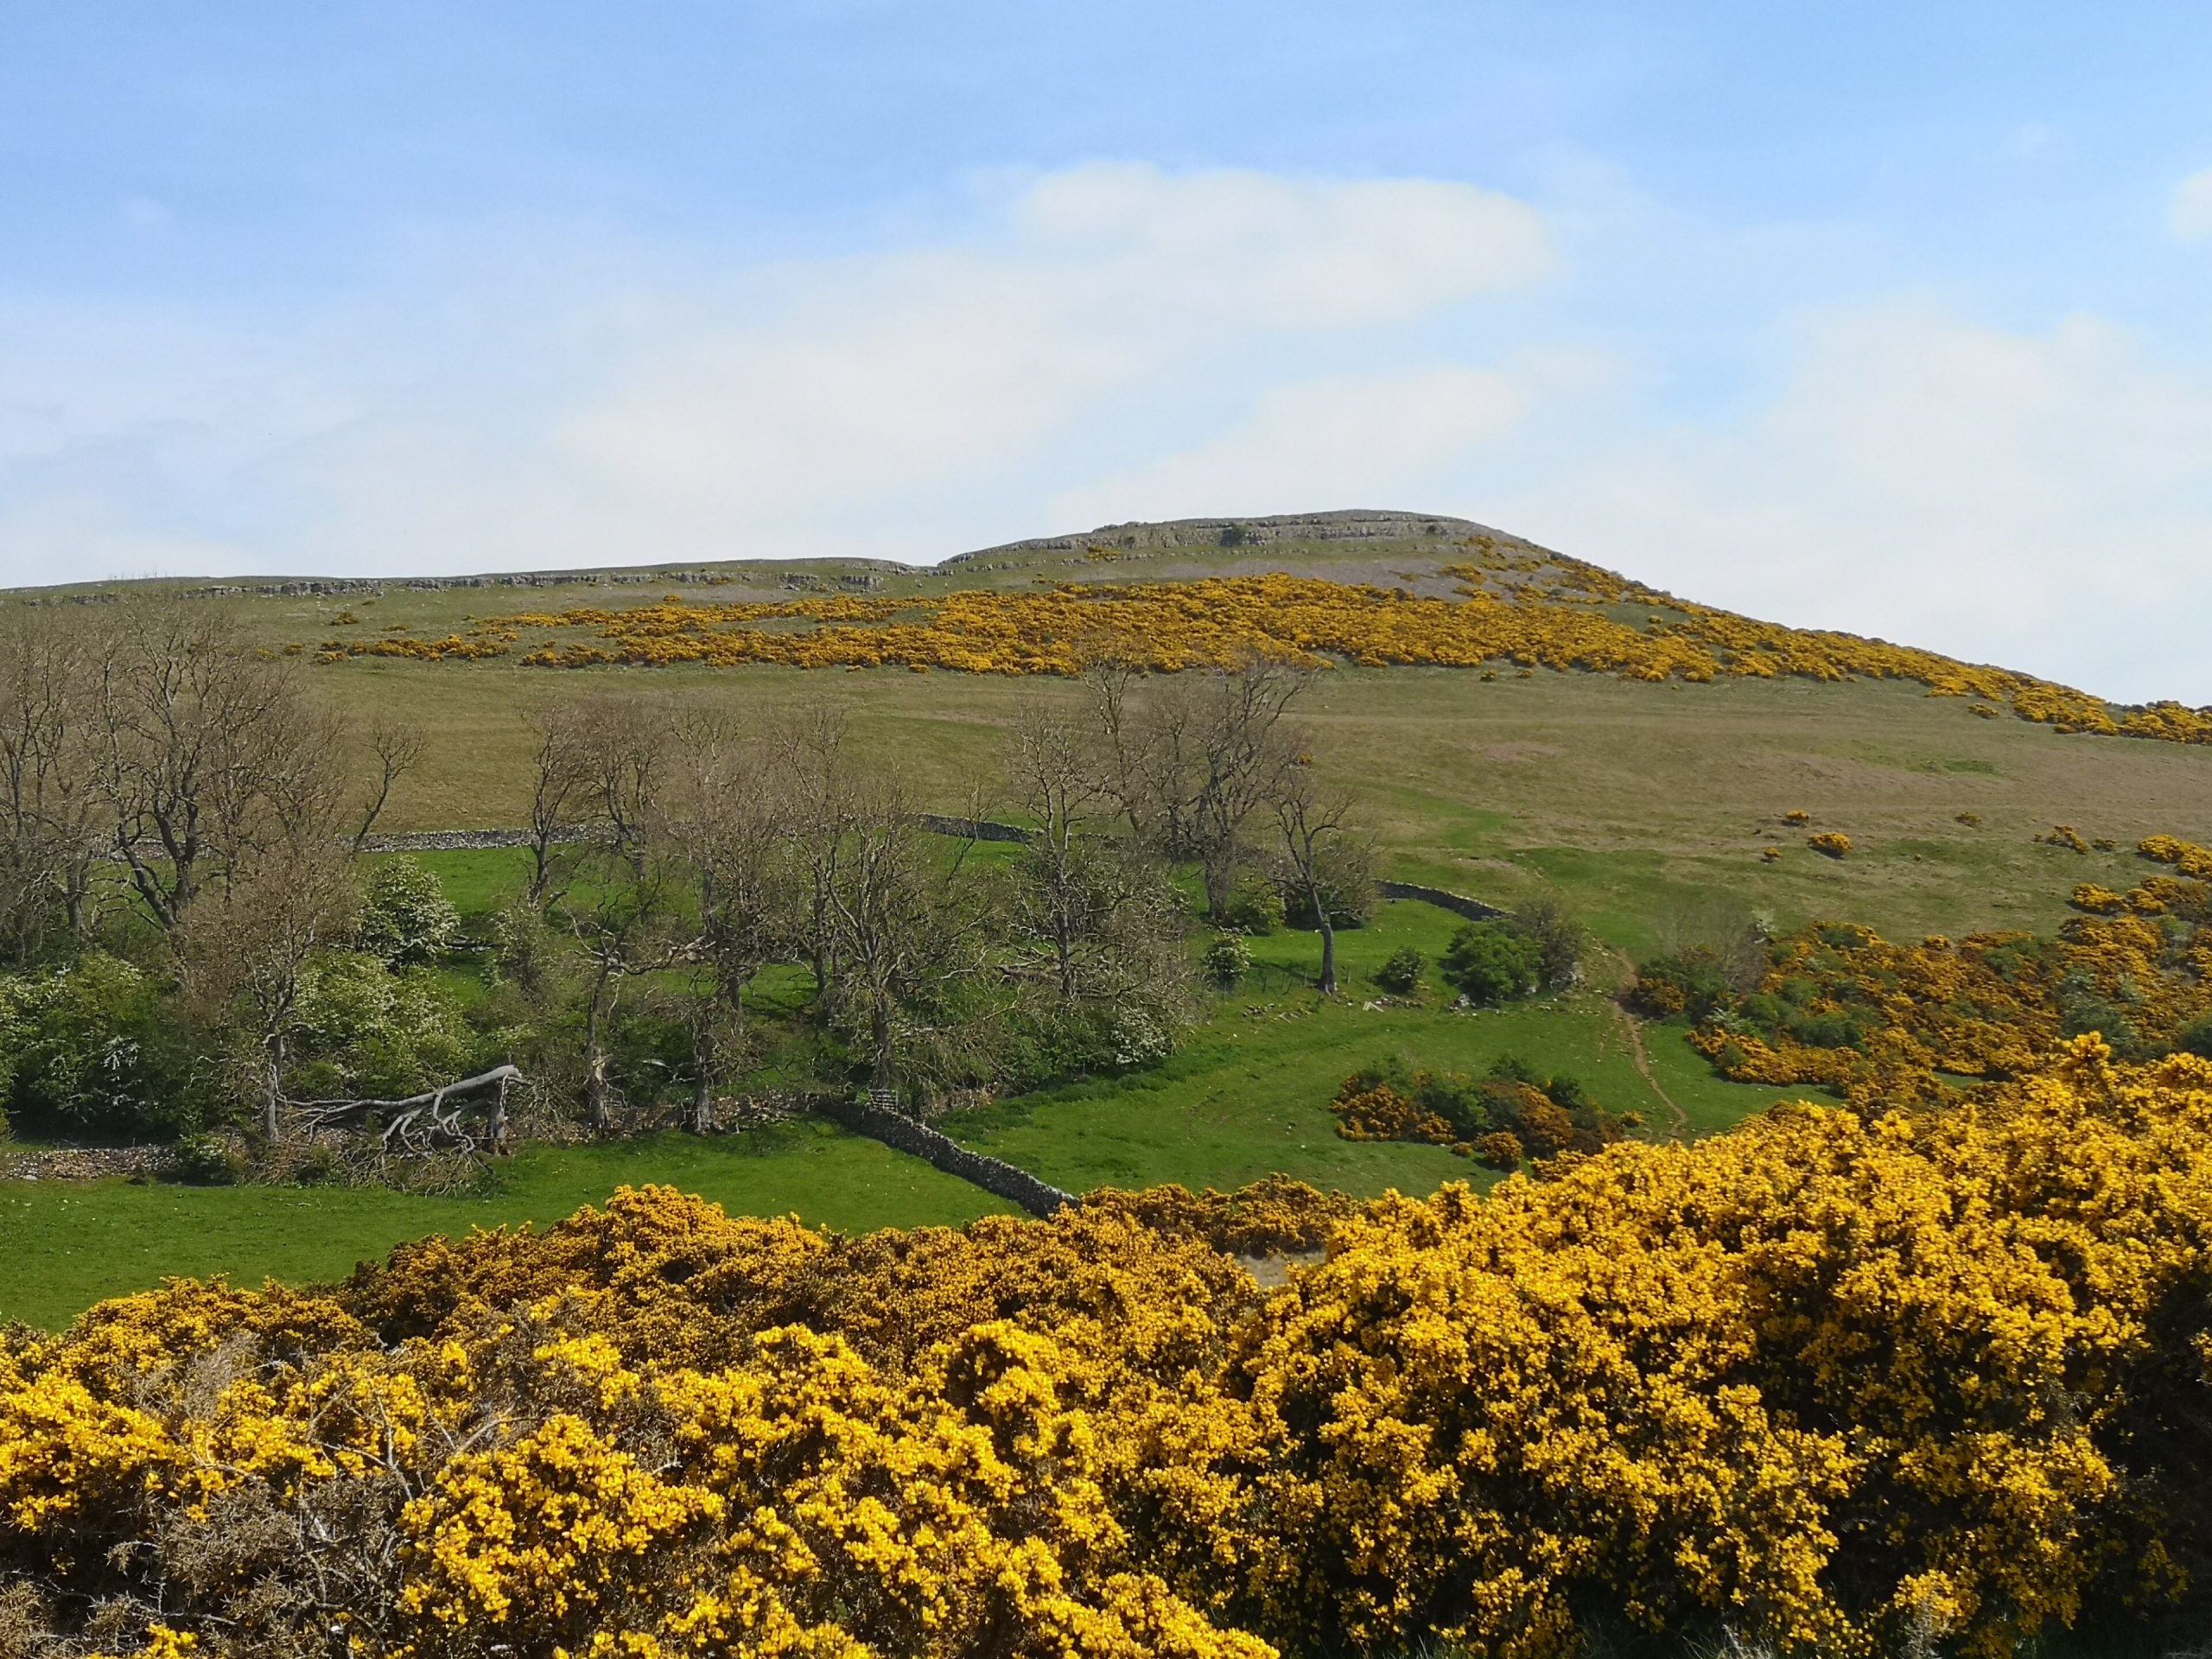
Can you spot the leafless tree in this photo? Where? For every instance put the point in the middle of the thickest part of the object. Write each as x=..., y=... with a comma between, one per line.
x=730, y=827
x=1314, y=826
x=51, y=836
x=601, y=783
x=625, y=743
x=1054, y=763
x=908, y=934
x=246, y=945
x=559, y=797
x=210, y=757
x=1191, y=758
x=894, y=926
x=1107, y=919
x=395, y=746
x=632, y=924
x=818, y=779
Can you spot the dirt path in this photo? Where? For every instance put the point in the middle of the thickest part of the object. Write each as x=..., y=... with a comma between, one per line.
x=1632, y=1028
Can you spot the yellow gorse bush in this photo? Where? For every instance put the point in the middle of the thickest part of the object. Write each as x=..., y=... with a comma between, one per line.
x=1987, y=1007
x=1556, y=614
x=1828, y=1382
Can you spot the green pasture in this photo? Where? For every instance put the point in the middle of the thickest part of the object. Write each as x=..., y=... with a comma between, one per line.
x=65, y=1245
x=1246, y=1097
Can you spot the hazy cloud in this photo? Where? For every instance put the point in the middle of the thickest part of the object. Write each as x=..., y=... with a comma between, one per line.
x=2189, y=210
x=551, y=409
x=2043, y=500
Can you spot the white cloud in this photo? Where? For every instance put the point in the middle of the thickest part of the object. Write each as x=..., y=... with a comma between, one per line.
x=583, y=405
x=2041, y=500
x=896, y=373
x=2189, y=210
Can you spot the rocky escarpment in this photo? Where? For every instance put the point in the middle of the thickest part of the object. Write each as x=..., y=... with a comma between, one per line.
x=1351, y=524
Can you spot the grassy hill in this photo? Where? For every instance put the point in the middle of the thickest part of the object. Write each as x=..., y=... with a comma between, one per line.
x=1647, y=801
x=1644, y=801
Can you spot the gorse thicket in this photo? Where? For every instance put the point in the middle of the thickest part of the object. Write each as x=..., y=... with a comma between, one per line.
x=1839, y=1382
x=1578, y=617
x=1886, y=1024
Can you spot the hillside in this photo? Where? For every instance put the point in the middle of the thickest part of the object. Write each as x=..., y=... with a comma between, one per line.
x=1645, y=789
x=1637, y=750
x=1766, y=1219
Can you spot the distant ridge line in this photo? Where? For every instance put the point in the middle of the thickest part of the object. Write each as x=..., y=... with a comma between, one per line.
x=1341, y=525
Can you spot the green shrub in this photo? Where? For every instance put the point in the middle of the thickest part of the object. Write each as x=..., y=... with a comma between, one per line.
x=1401, y=972
x=206, y=1160
x=1228, y=959
x=1695, y=981
x=1491, y=962
x=88, y=1048
x=1826, y=1030
x=1570, y=1094
x=2195, y=1038
x=1560, y=940
x=1255, y=909
x=405, y=915
x=366, y=1029
x=1455, y=1097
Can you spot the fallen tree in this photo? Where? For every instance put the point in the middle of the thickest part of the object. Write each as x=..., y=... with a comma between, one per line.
x=437, y=1121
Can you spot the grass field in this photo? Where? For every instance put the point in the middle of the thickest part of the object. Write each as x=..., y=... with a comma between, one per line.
x=65, y=1245
x=1641, y=803
x=1638, y=803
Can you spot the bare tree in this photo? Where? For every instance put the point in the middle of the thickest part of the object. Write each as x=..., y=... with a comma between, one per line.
x=730, y=825
x=906, y=933
x=1054, y=763
x=1103, y=915
x=894, y=926
x=396, y=747
x=1191, y=758
x=559, y=794
x=818, y=779
x=210, y=757
x=600, y=783
x=631, y=925
x=50, y=830
x=624, y=743
x=245, y=945
x=1313, y=823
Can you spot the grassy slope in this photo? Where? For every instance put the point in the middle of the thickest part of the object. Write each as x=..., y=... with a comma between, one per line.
x=1646, y=806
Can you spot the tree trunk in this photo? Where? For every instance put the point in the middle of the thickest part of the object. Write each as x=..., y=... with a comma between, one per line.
x=272, y=1098
x=1219, y=870
x=703, y=1070
x=1328, y=948
x=77, y=893
x=879, y=1032
x=595, y=1085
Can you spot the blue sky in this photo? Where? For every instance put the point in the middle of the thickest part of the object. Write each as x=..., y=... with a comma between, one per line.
x=1887, y=317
